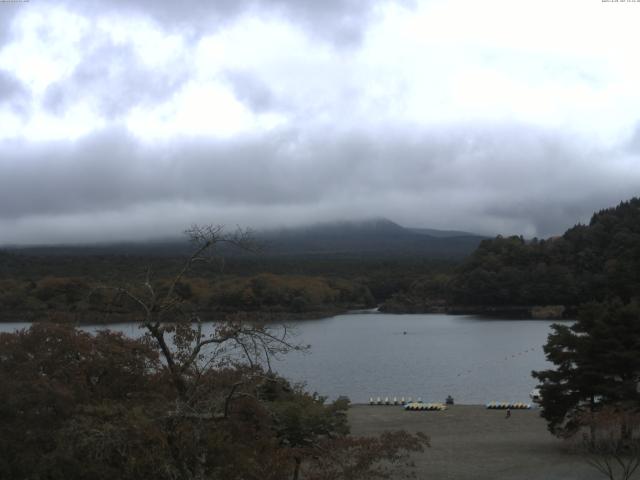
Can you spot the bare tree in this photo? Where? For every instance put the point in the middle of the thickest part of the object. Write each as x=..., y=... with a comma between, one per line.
x=191, y=351
x=612, y=445
x=177, y=330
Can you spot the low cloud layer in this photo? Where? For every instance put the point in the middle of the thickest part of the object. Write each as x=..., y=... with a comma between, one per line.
x=132, y=120
x=502, y=179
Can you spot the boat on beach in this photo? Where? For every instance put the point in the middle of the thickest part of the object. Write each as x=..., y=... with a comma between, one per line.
x=535, y=395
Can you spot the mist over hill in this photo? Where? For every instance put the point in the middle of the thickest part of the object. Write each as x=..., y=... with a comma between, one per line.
x=378, y=236
x=371, y=237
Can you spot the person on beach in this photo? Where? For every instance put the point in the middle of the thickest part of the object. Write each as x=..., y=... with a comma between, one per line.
x=508, y=413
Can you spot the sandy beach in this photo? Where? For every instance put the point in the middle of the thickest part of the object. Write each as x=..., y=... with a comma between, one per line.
x=471, y=442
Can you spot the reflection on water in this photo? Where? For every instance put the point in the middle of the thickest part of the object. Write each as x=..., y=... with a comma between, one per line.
x=364, y=355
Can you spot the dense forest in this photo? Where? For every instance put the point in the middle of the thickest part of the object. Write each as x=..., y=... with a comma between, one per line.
x=589, y=262
x=322, y=275
x=82, y=299
x=593, y=262
x=72, y=288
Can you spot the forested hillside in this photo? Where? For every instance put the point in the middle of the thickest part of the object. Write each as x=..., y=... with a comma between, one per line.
x=81, y=299
x=379, y=238
x=314, y=271
x=362, y=240
x=589, y=262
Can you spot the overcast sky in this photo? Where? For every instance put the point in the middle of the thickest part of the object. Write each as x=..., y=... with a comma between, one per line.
x=133, y=119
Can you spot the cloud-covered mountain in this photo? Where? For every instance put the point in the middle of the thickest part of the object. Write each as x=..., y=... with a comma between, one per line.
x=372, y=237
x=379, y=236
x=130, y=120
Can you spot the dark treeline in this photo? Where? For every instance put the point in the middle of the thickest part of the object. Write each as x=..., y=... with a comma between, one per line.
x=320, y=269
x=593, y=262
x=597, y=261
x=66, y=285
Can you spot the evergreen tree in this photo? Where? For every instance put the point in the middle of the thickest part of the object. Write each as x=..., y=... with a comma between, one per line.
x=597, y=363
x=599, y=261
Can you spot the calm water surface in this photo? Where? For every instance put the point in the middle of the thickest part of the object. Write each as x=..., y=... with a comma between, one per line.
x=363, y=355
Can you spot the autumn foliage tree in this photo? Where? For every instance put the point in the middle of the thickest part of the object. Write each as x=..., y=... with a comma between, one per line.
x=51, y=376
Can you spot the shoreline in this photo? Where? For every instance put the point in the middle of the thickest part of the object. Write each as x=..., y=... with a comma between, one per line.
x=513, y=312
x=99, y=318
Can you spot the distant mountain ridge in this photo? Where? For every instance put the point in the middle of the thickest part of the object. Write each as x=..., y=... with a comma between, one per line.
x=371, y=237
x=442, y=233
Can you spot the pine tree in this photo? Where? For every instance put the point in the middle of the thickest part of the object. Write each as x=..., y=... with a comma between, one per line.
x=597, y=363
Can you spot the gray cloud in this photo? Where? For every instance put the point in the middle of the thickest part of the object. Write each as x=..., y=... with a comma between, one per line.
x=633, y=145
x=340, y=22
x=9, y=86
x=8, y=12
x=352, y=146
x=13, y=93
x=500, y=179
x=253, y=92
x=114, y=79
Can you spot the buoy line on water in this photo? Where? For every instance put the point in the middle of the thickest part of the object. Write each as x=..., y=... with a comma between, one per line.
x=392, y=400
x=402, y=401
x=495, y=363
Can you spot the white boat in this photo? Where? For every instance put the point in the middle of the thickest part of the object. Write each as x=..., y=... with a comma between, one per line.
x=535, y=395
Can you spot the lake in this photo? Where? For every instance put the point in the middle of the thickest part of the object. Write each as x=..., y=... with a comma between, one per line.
x=363, y=355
